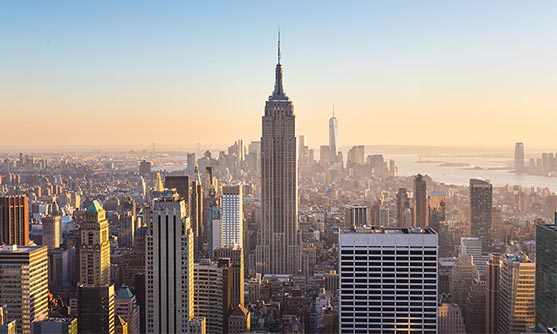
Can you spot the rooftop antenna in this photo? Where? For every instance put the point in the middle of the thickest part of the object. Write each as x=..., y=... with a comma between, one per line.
x=279, y=45
x=333, y=110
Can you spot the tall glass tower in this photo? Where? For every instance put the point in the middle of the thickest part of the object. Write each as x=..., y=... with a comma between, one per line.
x=333, y=136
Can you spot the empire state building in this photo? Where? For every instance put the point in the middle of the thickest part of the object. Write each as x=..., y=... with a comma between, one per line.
x=278, y=248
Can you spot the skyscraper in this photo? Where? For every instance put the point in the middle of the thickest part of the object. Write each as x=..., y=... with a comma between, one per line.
x=169, y=265
x=232, y=217
x=517, y=282
x=213, y=290
x=480, y=211
x=420, y=194
x=94, y=254
x=14, y=220
x=127, y=307
x=24, y=284
x=388, y=280
x=519, y=158
x=546, y=275
x=333, y=136
x=278, y=249
x=491, y=295
x=404, y=211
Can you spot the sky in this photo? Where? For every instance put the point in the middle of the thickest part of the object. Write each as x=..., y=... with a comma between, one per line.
x=129, y=73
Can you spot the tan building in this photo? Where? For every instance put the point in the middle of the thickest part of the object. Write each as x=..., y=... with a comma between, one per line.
x=239, y=321
x=236, y=255
x=278, y=248
x=517, y=283
x=212, y=293
x=24, y=284
x=51, y=232
x=94, y=254
x=14, y=220
x=462, y=275
x=450, y=319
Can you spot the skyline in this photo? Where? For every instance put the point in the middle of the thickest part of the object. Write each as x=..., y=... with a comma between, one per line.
x=121, y=66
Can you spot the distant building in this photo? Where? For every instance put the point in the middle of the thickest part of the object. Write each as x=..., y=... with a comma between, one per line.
x=420, y=196
x=356, y=215
x=546, y=275
x=519, y=158
x=182, y=186
x=404, y=209
x=333, y=137
x=463, y=273
x=480, y=211
x=14, y=220
x=369, y=262
x=24, y=284
x=51, y=232
x=145, y=167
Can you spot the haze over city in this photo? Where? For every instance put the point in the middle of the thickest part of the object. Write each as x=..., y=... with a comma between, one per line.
x=315, y=167
x=128, y=74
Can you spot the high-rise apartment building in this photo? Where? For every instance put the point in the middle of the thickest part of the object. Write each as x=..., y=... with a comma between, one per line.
x=519, y=158
x=491, y=293
x=420, y=195
x=516, y=294
x=333, y=137
x=356, y=215
x=388, y=280
x=169, y=266
x=14, y=220
x=51, y=232
x=480, y=211
x=405, y=213
x=95, y=309
x=182, y=186
x=463, y=273
x=232, y=217
x=213, y=292
x=94, y=254
x=24, y=284
x=236, y=255
x=546, y=275
x=278, y=250
x=196, y=213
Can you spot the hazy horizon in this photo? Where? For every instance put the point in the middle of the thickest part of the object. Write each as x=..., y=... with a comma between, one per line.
x=127, y=74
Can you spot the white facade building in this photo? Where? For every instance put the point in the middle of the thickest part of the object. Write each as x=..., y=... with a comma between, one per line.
x=388, y=280
x=232, y=217
x=169, y=266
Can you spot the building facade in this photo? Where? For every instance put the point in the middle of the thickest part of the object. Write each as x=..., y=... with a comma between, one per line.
x=14, y=220
x=388, y=280
x=94, y=254
x=546, y=275
x=480, y=211
x=24, y=284
x=169, y=266
x=278, y=250
x=232, y=217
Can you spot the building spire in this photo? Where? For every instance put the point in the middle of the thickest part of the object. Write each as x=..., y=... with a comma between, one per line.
x=278, y=93
x=278, y=45
x=333, y=110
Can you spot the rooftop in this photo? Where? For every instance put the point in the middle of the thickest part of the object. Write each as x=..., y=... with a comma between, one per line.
x=389, y=230
x=95, y=206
